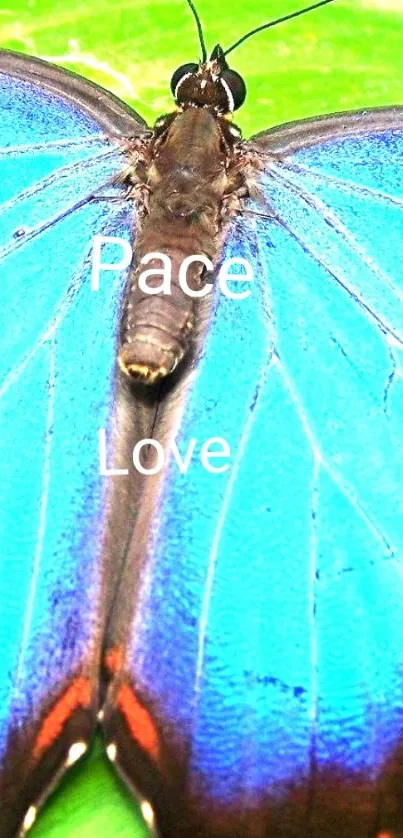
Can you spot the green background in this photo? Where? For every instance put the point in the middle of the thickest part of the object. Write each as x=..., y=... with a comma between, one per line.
x=344, y=56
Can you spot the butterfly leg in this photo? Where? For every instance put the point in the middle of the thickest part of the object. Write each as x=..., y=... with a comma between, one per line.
x=139, y=192
x=232, y=204
x=111, y=198
x=138, y=151
x=135, y=175
x=235, y=192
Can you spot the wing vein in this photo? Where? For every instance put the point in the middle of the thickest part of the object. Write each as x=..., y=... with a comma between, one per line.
x=331, y=219
x=346, y=186
x=312, y=594
x=218, y=534
x=333, y=473
x=42, y=513
x=53, y=145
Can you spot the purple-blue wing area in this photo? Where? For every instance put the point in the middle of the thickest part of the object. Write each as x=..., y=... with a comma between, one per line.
x=57, y=389
x=258, y=644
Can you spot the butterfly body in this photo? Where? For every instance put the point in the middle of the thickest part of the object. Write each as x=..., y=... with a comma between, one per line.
x=188, y=168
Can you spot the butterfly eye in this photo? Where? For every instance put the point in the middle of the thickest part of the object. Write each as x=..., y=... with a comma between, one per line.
x=235, y=88
x=180, y=74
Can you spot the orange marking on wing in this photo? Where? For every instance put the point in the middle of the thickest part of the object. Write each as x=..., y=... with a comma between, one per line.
x=114, y=659
x=141, y=725
x=79, y=694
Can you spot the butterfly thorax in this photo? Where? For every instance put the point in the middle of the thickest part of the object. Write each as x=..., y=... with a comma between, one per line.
x=188, y=169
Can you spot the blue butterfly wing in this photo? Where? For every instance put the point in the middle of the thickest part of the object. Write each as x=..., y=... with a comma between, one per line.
x=57, y=388
x=257, y=650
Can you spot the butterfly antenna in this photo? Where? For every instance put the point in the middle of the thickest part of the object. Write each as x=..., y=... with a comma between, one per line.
x=199, y=30
x=275, y=22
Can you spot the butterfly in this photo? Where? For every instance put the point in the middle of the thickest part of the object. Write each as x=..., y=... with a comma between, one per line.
x=246, y=620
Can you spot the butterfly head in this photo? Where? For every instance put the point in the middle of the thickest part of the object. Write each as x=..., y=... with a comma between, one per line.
x=210, y=84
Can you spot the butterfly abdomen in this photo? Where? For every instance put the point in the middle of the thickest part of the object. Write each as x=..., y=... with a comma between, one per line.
x=186, y=175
